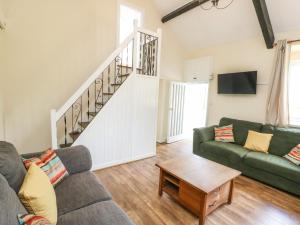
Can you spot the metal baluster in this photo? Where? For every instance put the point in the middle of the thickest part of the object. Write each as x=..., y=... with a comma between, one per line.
x=89, y=104
x=121, y=66
x=127, y=68
x=115, y=74
x=140, y=58
x=81, y=112
x=96, y=95
x=156, y=56
x=65, y=120
x=108, y=80
x=102, y=89
x=73, y=118
x=150, y=58
x=144, y=55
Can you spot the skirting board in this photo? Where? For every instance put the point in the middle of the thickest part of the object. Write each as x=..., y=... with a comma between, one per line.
x=120, y=162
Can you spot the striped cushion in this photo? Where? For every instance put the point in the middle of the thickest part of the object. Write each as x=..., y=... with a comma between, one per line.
x=224, y=134
x=29, y=219
x=51, y=164
x=294, y=155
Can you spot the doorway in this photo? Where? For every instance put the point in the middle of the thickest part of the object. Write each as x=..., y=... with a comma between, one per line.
x=187, y=110
x=195, y=110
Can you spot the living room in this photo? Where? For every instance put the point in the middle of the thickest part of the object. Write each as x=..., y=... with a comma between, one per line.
x=149, y=112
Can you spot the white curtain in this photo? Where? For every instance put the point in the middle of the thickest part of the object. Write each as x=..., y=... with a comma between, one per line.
x=278, y=105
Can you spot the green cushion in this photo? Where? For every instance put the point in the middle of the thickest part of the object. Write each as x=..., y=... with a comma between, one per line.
x=240, y=128
x=284, y=139
x=273, y=164
x=224, y=152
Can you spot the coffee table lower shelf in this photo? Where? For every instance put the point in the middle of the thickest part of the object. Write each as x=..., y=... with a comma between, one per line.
x=198, y=202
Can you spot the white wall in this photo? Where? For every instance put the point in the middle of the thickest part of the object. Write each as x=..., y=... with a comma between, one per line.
x=245, y=55
x=51, y=47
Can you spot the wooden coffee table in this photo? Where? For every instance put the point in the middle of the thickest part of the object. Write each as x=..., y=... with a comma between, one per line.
x=198, y=184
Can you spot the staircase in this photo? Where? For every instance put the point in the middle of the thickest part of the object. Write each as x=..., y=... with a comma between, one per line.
x=138, y=55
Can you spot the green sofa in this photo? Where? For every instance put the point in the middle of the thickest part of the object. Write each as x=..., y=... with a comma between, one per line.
x=272, y=169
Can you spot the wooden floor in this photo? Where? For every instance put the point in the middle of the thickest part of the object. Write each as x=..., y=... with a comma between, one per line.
x=134, y=187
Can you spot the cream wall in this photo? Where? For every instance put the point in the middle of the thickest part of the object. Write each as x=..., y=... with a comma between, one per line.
x=246, y=55
x=1, y=119
x=50, y=48
x=1, y=90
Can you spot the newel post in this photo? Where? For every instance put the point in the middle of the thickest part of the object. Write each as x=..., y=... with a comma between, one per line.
x=159, y=32
x=53, y=129
x=135, y=46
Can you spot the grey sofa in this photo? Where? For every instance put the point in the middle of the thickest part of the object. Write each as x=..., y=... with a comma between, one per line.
x=81, y=198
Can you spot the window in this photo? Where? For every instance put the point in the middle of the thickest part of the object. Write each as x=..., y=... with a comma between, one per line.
x=294, y=90
x=127, y=17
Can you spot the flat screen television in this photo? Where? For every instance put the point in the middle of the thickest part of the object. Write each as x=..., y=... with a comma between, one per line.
x=237, y=83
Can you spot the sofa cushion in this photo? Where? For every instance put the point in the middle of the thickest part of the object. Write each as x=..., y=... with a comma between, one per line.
x=259, y=142
x=10, y=205
x=37, y=194
x=273, y=164
x=284, y=139
x=224, y=151
x=30, y=219
x=101, y=213
x=241, y=128
x=11, y=166
x=79, y=190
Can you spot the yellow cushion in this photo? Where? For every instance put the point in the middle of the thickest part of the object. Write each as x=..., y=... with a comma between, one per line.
x=37, y=194
x=258, y=141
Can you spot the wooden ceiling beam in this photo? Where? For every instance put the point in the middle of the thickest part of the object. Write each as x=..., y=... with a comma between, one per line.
x=265, y=22
x=183, y=9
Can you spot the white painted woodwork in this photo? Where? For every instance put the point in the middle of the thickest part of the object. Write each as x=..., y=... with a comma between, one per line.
x=198, y=70
x=125, y=129
x=53, y=129
x=176, y=112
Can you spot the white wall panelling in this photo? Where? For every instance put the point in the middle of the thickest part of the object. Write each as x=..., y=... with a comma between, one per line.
x=125, y=130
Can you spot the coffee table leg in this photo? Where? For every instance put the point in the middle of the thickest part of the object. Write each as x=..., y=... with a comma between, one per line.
x=231, y=192
x=202, y=215
x=161, y=177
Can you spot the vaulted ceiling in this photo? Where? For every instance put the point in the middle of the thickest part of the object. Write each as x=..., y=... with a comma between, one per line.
x=199, y=28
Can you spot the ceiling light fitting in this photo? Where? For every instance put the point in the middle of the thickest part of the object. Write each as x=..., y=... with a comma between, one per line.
x=215, y=4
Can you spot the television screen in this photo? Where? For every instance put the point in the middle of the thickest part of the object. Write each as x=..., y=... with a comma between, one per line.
x=237, y=83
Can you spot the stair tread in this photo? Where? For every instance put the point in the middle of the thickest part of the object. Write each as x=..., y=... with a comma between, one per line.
x=123, y=75
x=83, y=124
x=66, y=145
x=106, y=93
x=115, y=84
x=76, y=132
x=99, y=103
x=92, y=113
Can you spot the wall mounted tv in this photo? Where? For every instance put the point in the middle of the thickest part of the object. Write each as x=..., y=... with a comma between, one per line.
x=237, y=83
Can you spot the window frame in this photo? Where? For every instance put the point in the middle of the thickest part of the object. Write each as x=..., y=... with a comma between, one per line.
x=290, y=63
x=130, y=5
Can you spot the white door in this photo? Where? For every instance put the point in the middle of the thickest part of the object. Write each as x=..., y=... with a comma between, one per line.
x=176, y=112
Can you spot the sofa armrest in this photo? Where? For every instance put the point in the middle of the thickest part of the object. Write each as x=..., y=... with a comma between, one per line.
x=204, y=134
x=76, y=159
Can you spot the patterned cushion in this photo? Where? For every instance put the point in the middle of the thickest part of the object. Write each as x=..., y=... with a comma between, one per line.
x=51, y=164
x=224, y=134
x=29, y=219
x=294, y=155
